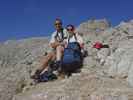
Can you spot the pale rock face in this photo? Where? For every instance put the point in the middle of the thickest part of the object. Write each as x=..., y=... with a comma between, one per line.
x=16, y=62
x=130, y=76
x=108, y=97
x=103, y=54
x=18, y=59
x=120, y=61
x=93, y=26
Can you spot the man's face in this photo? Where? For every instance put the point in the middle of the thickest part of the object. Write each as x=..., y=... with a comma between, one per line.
x=58, y=25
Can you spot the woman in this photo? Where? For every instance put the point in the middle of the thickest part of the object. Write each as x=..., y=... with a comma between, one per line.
x=73, y=36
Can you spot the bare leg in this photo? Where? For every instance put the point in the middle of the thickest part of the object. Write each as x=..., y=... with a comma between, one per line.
x=44, y=62
x=59, y=52
x=50, y=56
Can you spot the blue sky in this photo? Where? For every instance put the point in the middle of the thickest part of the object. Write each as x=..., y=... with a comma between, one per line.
x=30, y=18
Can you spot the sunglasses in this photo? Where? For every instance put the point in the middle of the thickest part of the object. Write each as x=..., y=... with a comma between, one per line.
x=69, y=29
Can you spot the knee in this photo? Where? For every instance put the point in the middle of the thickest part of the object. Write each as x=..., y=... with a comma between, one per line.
x=50, y=55
x=59, y=48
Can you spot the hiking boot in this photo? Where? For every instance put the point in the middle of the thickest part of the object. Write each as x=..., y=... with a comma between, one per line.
x=61, y=76
x=36, y=75
x=59, y=66
x=53, y=65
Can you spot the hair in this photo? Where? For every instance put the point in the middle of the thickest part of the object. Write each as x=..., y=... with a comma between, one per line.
x=58, y=19
x=70, y=25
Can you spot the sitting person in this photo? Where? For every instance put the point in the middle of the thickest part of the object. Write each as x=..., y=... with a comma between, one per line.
x=72, y=58
x=73, y=37
x=57, y=45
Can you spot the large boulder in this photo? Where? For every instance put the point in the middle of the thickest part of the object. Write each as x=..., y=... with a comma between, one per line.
x=93, y=26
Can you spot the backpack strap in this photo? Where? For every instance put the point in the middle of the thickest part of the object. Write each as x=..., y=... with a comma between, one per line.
x=76, y=42
x=62, y=35
x=74, y=37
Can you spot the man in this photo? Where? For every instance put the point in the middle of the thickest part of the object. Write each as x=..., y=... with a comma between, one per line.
x=57, y=47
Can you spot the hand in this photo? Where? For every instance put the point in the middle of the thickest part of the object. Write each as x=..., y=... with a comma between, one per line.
x=65, y=44
x=62, y=44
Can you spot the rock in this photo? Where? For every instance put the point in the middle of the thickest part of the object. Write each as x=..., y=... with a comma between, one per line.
x=107, y=74
x=109, y=97
x=16, y=59
x=102, y=55
x=130, y=75
x=92, y=26
x=86, y=86
x=121, y=60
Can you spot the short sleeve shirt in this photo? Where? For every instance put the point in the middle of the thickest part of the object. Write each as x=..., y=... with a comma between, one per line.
x=54, y=37
x=78, y=39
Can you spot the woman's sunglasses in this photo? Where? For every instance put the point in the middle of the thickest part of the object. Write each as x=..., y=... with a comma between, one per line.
x=69, y=29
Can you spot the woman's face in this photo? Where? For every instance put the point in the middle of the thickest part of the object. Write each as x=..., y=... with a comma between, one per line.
x=70, y=31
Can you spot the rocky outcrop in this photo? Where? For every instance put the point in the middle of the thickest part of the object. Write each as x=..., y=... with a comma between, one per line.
x=107, y=74
x=17, y=59
x=119, y=63
x=93, y=26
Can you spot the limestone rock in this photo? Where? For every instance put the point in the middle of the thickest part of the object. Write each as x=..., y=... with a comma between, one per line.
x=93, y=25
x=18, y=58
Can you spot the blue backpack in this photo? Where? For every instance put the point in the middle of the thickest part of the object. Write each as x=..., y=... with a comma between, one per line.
x=72, y=58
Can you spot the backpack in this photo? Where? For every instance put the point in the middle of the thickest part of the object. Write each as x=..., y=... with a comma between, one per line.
x=72, y=59
x=98, y=45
